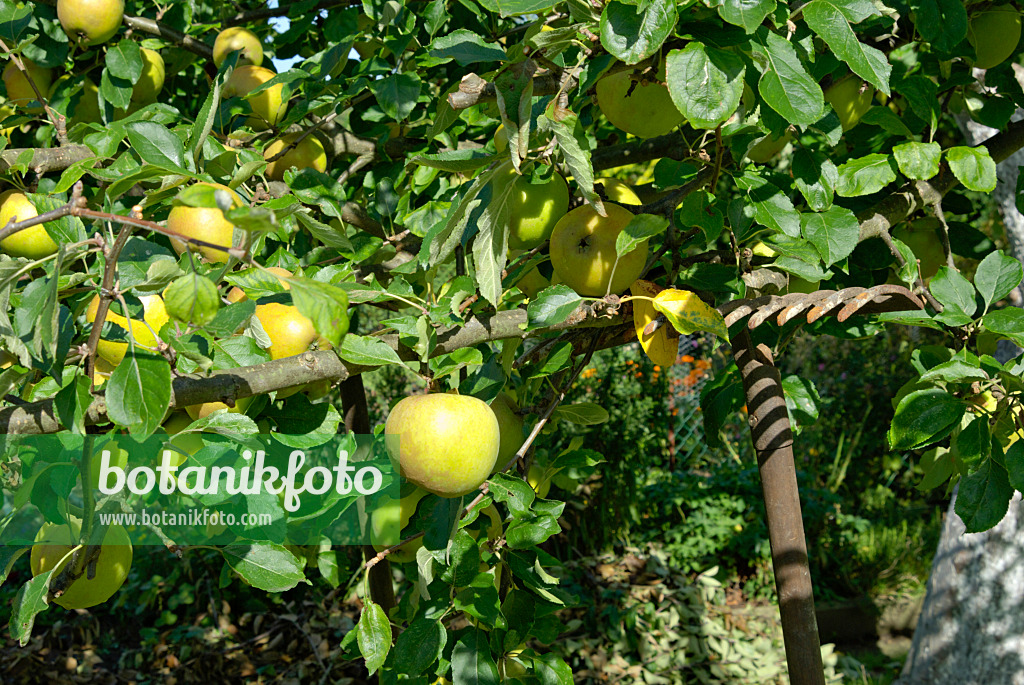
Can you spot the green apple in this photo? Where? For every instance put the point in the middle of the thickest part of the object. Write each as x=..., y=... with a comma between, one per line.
x=54, y=542
x=768, y=147
x=646, y=112
x=583, y=251
x=851, y=99
x=533, y=281
x=539, y=479
x=921, y=236
x=533, y=209
x=510, y=428
x=446, y=444
x=994, y=33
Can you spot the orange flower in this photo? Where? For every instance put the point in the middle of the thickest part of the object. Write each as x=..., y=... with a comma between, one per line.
x=686, y=359
x=657, y=368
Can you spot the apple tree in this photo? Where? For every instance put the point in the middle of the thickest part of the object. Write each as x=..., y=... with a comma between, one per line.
x=220, y=217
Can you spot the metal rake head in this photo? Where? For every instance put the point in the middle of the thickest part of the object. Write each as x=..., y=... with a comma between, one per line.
x=843, y=303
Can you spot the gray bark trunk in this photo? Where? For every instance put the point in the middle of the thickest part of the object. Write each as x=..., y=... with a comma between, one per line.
x=971, y=628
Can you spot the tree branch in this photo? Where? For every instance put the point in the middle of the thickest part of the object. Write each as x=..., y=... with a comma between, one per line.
x=46, y=158
x=155, y=28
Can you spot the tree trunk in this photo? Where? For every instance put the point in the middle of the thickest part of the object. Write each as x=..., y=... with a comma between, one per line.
x=971, y=629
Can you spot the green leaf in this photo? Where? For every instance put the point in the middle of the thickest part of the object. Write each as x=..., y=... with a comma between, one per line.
x=816, y=178
x=374, y=636
x=139, y=392
x=512, y=8
x=192, y=299
x=953, y=290
x=1014, y=460
x=465, y=47
x=324, y=304
x=865, y=175
x=124, y=61
x=1008, y=322
x=397, y=94
x=747, y=14
x=552, y=306
x=973, y=443
x=582, y=414
x=577, y=158
x=835, y=233
x=832, y=19
x=705, y=84
x=419, y=646
x=455, y=161
x=266, y=566
x=71, y=403
x=203, y=124
x=785, y=84
x=772, y=208
x=997, y=275
x=633, y=33
x=943, y=23
x=472, y=663
x=30, y=600
x=974, y=167
x=156, y=145
x=639, y=229
x=918, y=160
x=923, y=417
x=984, y=497
x=366, y=351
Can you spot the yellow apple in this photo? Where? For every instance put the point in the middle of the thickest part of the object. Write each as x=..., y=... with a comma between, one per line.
x=147, y=88
x=154, y=314
x=269, y=106
x=308, y=153
x=618, y=192
x=994, y=33
x=851, y=99
x=289, y=331
x=583, y=251
x=532, y=282
x=204, y=223
x=646, y=112
x=500, y=139
x=241, y=40
x=54, y=541
x=33, y=242
x=446, y=444
x=201, y=411
x=19, y=90
x=118, y=458
x=88, y=22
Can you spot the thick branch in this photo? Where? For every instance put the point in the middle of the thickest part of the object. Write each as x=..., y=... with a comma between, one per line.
x=230, y=385
x=46, y=159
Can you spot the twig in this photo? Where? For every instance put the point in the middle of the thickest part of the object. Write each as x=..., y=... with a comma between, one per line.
x=58, y=121
x=155, y=28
